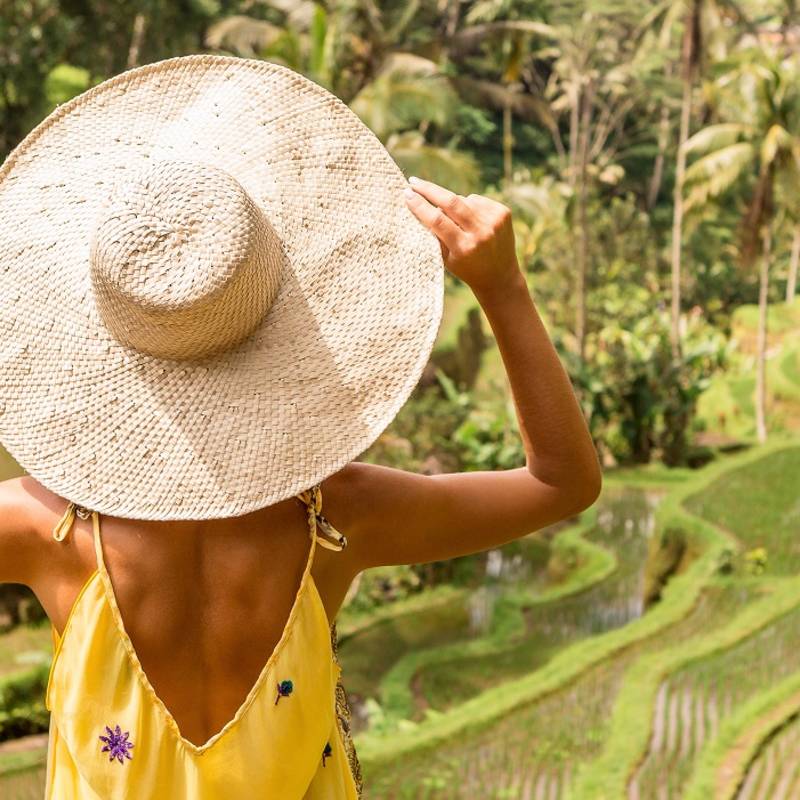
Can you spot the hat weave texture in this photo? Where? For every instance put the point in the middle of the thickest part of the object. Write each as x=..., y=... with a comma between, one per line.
x=212, y=293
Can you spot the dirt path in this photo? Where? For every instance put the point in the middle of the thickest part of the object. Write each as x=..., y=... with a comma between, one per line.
x=24, y=744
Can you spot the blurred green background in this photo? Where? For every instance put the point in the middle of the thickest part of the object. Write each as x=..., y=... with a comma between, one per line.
x=650, y=153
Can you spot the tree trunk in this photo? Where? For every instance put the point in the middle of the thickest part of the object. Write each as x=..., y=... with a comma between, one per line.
x=583, y=222
x=507, y=141
x=791, y=283
x=137, y=38
x=680, y=172
x=658, y=166
x=663, y=139
x=761, y=354
x=574, y=124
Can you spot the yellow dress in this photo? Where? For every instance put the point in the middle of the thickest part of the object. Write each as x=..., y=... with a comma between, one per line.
x=111, y=737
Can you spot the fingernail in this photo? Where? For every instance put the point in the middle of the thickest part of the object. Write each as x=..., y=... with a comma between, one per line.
x=414, y=179
x=409, y=192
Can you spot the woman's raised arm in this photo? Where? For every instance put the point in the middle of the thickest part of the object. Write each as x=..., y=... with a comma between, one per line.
x=398, y=517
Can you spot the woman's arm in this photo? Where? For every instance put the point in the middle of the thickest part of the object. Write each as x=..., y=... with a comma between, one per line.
x=398, y=517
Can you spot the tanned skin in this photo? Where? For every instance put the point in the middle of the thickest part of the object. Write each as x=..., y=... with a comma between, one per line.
x=205, y=602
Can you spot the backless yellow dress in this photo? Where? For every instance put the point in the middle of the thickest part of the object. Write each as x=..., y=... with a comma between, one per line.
x=111, y=737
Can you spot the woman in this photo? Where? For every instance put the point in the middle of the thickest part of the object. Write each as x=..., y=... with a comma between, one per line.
x=180, y=691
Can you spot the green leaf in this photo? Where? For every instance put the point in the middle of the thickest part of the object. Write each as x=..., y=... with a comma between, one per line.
x=715, y=137
x=715, y=173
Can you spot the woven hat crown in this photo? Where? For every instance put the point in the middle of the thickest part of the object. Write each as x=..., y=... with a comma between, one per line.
x=183, y=263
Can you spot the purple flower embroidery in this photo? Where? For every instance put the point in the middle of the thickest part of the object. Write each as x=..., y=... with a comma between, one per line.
x=326, y=753
x=284, y=690
x=117, y=743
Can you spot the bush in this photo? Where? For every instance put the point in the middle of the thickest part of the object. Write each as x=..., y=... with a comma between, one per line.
x=639, y=403
x=22, y=709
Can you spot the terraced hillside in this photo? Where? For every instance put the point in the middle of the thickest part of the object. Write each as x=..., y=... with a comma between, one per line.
x=649, y=708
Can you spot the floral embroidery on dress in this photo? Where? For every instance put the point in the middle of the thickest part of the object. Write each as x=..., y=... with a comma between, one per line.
x=284, y=690
x=117, y=743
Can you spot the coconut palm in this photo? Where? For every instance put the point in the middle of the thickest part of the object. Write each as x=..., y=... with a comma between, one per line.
x=702, y=30
x=599, y=74
x=508, y=41
x=304, y=41
x=757, y=144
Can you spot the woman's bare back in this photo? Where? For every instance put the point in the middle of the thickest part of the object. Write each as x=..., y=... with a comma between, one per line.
x=203, y=602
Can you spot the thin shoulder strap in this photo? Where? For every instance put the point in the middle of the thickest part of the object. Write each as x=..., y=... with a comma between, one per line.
x=98, y=547
x=331, y=538
x=64, y=525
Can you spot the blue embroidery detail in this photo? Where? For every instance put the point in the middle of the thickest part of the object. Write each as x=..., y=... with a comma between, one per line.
x=117, y=743
x=284, y=690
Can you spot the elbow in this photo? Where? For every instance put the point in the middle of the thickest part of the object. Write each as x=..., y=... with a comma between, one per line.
x=583, y=490
x=591, y=486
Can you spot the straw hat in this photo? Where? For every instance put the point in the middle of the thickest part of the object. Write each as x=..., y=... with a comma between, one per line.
x=212, y=293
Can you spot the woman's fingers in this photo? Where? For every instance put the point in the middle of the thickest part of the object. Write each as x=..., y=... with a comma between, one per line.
x=451, y=203
x=434, y=219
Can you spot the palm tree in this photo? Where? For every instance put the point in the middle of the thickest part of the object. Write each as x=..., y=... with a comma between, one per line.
x=701, y=19
x=305, y=41
x=509, y=40
x=758, y=144
x=408, y=94
x=596, y=81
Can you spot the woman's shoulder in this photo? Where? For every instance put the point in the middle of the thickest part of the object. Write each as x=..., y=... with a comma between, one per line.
x=28, y=512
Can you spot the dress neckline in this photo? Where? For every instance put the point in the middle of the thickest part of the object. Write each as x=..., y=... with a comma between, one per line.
x=307, y=585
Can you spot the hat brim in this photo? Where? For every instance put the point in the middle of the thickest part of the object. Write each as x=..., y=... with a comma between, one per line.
x=326, y=371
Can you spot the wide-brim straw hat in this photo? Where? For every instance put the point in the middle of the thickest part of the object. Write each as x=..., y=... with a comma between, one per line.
x=212, y=292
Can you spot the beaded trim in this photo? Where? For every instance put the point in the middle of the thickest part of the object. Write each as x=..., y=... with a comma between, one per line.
x=344, y=721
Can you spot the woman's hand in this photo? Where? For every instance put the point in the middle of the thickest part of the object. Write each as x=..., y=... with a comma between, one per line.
x=474, y=232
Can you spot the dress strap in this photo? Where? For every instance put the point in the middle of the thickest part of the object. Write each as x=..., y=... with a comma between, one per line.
x=98, y=547
x=331, y=538
x=64, y=525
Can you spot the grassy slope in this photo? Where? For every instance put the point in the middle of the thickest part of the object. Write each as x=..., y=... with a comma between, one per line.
x=596, y=563
x=679, y=598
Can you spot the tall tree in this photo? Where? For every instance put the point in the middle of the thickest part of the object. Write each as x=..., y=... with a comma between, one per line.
x=701, y=23
x=595, y=81
x=508, y=42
